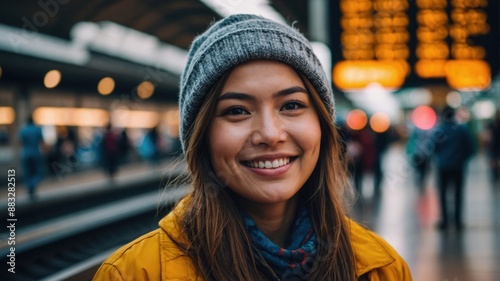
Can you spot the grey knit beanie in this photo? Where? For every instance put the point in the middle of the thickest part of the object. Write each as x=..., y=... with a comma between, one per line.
x=234, y=40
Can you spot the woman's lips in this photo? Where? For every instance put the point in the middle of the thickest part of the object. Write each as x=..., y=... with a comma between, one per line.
x=270, y=168
x=269, y=164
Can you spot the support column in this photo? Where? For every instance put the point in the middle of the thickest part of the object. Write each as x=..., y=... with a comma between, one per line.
x=318, y=21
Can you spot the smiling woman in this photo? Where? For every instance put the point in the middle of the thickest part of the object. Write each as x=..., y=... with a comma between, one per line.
x=257, y=134
x=268, y=182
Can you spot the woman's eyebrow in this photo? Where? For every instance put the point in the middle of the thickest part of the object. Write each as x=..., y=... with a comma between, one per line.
x=291, y=90
x=236, y=96
x=243, y=96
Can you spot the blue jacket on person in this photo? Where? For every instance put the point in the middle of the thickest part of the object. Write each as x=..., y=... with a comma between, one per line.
x=453, y=145
x=30, y=137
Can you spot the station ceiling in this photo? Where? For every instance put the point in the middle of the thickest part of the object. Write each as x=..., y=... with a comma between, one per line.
x=176, y=22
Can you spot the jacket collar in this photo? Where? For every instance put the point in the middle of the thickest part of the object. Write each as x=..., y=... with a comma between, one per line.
x=367, y=247
x=175, y=265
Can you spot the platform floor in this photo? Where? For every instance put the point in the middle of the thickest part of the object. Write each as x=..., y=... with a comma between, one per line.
x=71, y=182
x=402, y=215
x=407, y=219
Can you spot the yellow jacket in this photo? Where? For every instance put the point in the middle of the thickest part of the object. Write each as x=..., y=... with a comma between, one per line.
x=154, y=256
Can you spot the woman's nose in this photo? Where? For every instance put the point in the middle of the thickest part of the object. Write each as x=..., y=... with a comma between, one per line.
x=268, y=129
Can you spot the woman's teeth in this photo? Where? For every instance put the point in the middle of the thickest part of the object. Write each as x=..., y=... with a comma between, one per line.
x=269, y=164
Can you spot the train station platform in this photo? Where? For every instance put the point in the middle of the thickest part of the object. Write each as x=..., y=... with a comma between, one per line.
x=405, y=217
x=92, y=180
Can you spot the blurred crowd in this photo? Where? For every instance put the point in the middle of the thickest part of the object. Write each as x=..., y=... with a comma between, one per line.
x=446, y=147
x=107, y=149
x=364, y=150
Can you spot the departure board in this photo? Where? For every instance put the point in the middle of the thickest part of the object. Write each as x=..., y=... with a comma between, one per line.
x=387, y=41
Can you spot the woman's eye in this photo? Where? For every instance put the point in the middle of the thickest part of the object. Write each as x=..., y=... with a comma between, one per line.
x=292, y=105
x=235, y=111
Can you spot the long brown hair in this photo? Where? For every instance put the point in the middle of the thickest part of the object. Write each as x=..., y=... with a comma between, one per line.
x=219, y=245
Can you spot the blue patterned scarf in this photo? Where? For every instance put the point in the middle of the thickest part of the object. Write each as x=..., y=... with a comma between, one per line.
x=297, y=259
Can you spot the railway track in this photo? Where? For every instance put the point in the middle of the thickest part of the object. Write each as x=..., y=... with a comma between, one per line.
x=74, y=242
x=87, y=195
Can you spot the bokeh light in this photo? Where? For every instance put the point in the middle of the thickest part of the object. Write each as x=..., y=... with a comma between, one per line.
x=356, y=119
x=52, y=79
x=424, y=117
x=134, y=118
x=7, y=115
x=145, y=89
x=380, y=122
x=484, y=109
x=70, y=116
x=172, y=120
x=106, y=86
x=454, y=99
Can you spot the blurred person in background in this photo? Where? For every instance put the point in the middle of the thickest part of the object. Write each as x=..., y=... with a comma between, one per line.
x=150, y=146
x=4, y=135
x=493, y=147
x=453, y=148
x=267, y=180
x=124, y=146
x=381, y=142
x=110, y=153
x=419, y=152
x=360, y=155
x=56, y=154
x=63, y=151
x=31, y=140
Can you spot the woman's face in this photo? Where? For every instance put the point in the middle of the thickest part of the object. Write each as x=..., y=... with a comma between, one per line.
x=265, y=135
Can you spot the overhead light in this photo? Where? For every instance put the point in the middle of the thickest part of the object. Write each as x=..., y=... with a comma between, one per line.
x=356, y=119
x=134, y=118
x=257, y=7
x=52, y=79
x=126, y=43
x=106, y=86
x=145, y=90
x=70, y=116
x=19, y=41
x=380, y=122
x=424, y=117
x=7, y=115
